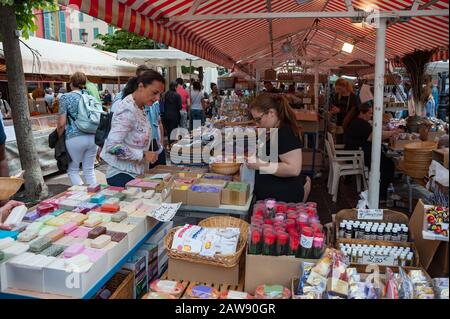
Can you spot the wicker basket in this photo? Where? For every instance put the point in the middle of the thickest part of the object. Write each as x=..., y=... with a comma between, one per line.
x=226, y=261
x=9, y=186
x=225, y=168
x=417, y=158
x=121, y=285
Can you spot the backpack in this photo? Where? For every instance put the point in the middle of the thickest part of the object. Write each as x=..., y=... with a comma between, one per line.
x=103, y=129
x=89, y=111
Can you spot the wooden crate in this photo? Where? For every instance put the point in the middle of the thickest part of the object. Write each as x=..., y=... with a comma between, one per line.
x=121, y=285
x=220, y=287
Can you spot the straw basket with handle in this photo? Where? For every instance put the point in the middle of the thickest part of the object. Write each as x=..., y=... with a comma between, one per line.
x=10, y=185
x=417, y=158
x=226, y=261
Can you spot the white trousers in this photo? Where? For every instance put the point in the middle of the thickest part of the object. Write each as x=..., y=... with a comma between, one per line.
x=82, y=150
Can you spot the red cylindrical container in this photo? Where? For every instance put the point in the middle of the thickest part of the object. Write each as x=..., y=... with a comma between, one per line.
x=293, y=245
x=269, y=244
x=306, y=242
x=290, y=224
x=255, y=247
x=282, y=247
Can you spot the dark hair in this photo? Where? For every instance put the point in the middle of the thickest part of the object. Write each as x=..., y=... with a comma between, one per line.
x=141, y=69
x=179, y=81
x=267, y=82
x=354, y=113
x=266, y=101
x=148, y=77
x=173, y=86
x=78, y=80
x=291, y=88
x=197, y=86
x=212, y=85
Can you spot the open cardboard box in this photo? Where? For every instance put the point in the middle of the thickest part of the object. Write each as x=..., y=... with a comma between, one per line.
x=434, y=254
x=189, y=271
x=205, y=199
x=234, y=197
x=271, y=270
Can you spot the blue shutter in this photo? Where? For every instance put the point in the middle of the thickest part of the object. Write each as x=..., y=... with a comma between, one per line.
x=110, y=30
x=95, y=33
x=62, y=27
x=80, y=17
x=46, y=24
x=81, y=31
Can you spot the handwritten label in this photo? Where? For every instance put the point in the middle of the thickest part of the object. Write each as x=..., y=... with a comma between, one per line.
x=165, y=212
x=306, y=242
x=379, y=260
x=370, y=214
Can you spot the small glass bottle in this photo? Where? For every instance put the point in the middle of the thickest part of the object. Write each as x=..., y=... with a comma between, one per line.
x=380, y=235
x=360, y=257
x=394, y=235
x=354, y=256
x=409, y=259
x=348, y=232
x=373, y=232
x=405, y=235
x=367, y=234
x=342, y=227
x=387, y=234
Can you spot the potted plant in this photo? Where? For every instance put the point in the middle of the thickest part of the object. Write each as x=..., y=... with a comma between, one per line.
x=415, y=63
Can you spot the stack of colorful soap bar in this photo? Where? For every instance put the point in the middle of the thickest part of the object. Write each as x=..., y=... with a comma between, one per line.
x=237, y=186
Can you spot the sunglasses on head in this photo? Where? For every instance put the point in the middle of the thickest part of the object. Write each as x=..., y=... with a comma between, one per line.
x=259, y=118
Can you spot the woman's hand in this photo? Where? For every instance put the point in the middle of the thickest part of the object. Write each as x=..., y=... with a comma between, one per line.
x=334, y=110
x=150, y=157
x=6, y=210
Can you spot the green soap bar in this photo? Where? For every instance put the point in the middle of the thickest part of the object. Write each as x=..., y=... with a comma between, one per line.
x=58, y=212
x=40, y=244
x=118, y=217
x=53, y=251
x=120, y=196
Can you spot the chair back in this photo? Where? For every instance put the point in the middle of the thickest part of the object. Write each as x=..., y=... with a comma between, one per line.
x=331, y=141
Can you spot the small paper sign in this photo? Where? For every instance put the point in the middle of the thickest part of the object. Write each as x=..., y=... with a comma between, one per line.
x=379, y=260
x=165, y=212
x=370, y=214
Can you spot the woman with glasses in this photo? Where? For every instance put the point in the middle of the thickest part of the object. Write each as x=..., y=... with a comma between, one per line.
x=279, y=177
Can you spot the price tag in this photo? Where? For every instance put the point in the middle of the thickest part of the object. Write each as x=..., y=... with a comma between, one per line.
x=370, y=214
x=379, y=260
x=306, y=242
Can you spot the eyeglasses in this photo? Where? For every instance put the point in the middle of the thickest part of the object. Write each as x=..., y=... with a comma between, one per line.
x=259, y=118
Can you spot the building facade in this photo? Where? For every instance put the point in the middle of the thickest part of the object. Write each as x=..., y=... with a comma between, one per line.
x=69, y=26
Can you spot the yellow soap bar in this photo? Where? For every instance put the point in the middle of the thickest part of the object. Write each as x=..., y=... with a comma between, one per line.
x=67, y=215
x=101, y=241
x=57, y=221
x=92, y=222
x=79, y=218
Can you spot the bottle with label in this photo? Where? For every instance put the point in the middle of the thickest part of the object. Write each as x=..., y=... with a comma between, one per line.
x=405, y=231
x=390, y=196
x=361, y=231
x=348, y=232
x=380, y=235
x=409, y=259
x=354, y=256
x=306, y=242
x=367, y=233
x=342, y=226
x=394, y=235
x=360, y=256
x=373, y=233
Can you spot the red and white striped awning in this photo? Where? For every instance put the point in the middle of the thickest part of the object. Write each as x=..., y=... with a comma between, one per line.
x=247, y=41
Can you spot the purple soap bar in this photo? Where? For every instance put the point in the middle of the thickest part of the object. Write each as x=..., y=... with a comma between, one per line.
x=116, y=236
x=31, y=216
x=205, y=189
x=69, y=227
x=80, y=232
x=201, y=291
x=97, y=231
x=81, y=210
x=73, y=250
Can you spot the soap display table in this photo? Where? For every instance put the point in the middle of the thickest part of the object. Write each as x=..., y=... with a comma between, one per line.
x=109, y=273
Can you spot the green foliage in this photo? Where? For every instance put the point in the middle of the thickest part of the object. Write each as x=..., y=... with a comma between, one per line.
x=122, y=39
x=24, y=12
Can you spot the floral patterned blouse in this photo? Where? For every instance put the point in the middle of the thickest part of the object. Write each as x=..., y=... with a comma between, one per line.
x=128, y=139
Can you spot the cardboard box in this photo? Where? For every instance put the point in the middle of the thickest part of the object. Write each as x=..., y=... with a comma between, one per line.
x=205, y=199
x=233, y=197
x=271, y=270
x=188, y=271
x=434, y=254
x=178, y=195
x=441, y=156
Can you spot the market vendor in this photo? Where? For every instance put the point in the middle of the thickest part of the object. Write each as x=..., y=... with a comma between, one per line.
x=358, y=135
x=126, y=147
x=280, y=180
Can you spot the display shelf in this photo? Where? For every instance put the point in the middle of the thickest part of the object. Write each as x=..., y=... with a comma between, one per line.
x=15, y=293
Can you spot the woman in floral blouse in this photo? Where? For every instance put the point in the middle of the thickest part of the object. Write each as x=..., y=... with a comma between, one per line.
x=126, y=148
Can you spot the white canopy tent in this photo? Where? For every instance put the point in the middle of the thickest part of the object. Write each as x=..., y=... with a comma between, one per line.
x=163, y=57
x=41, y=56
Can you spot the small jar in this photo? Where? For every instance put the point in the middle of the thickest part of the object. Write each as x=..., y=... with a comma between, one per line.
x=367, y=234
x=394, y=236
x=380, y=235
x=387, y=234
x=405, y=235
x=348, y=232
x=373, y=233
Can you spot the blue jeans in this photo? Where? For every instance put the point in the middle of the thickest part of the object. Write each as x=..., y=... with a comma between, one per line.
x=119, y=180
x=196, y=115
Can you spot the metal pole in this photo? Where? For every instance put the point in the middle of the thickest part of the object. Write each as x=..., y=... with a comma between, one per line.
x=316, y=88
x=374, y=179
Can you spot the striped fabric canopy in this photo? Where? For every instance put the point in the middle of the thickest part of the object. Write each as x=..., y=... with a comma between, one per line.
x=248, y=41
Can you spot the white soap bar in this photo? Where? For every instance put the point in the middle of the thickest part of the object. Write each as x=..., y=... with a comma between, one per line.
x=16, y=215
x=17, y=249
x=22, y=258
x=79, y=263
x=27, y=235
x=101, y=241
x=6, y=242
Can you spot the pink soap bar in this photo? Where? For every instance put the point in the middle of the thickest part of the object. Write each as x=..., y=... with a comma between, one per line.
x=74, y=250
x=53, y=202
x=93, y=254
x=69, y=227
x=94, y=188
x=45, y=209
x=115, y=188
x=80, y=232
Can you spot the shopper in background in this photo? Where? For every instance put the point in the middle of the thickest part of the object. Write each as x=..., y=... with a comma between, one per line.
x=119, y=96
x=280, y=180
x=430, y=105
x=214, y=101
x=80, y=146
x=172, y=108
x=343, y=101
x=358, y=135
x=197, y=105
x=269, y=88
x=49, y=99
x=107, y=98
x=185, y=102
x=5, y=109
x=126, y=148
